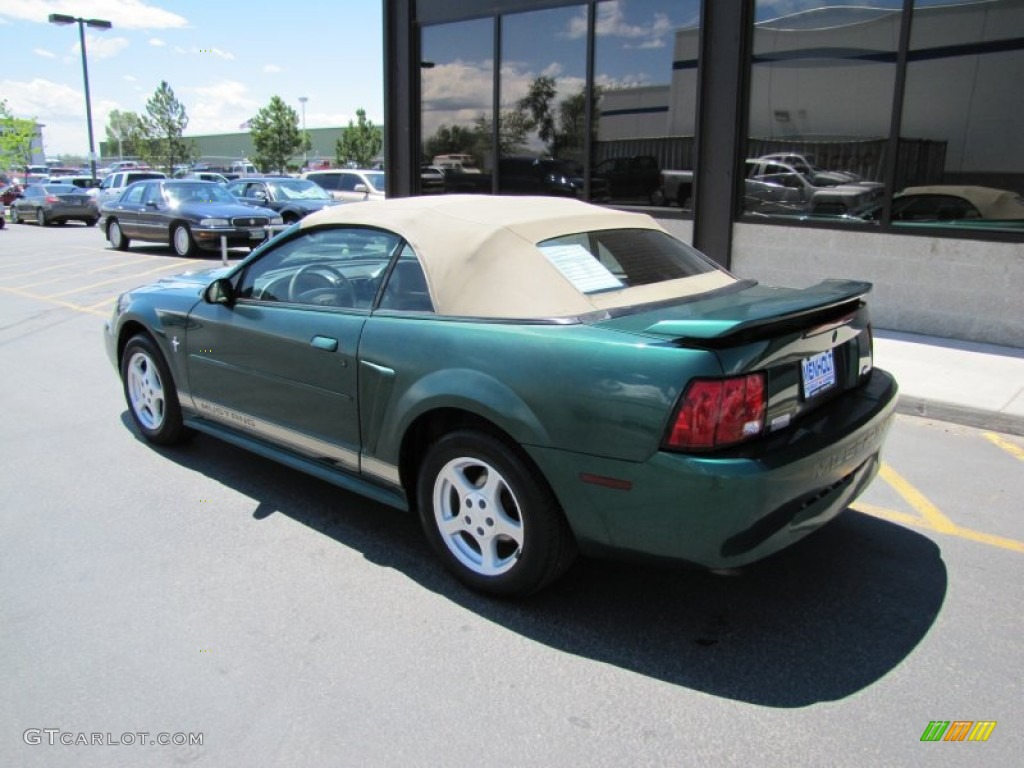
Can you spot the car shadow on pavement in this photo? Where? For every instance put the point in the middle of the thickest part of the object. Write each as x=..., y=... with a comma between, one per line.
x=818, y=622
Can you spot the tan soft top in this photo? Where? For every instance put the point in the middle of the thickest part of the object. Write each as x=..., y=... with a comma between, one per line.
x=480, y=255
x=992, y=203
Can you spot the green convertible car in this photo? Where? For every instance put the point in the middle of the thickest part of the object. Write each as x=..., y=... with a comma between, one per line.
x=533, y=376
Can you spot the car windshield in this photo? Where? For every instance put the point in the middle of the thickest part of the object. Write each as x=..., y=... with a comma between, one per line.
x=298, y=190
x=200, y=192
x=376, y=179
x=622, y=258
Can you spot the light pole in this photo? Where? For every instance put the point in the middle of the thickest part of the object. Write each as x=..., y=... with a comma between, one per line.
x=302, y=101
x=61, y=19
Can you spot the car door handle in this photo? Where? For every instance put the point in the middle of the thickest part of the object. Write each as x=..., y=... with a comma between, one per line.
x=326, y=343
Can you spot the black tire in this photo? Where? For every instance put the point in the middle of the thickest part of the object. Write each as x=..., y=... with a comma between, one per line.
x=182, y=241
x=41, y=219
x=150, y=393
x=90, y=222
x=15, y=218
x=115, y=235
x=508, y=536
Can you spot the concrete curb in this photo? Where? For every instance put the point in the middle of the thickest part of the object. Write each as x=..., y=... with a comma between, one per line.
x=960, y=414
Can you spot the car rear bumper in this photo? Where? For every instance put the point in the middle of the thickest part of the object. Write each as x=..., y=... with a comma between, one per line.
x=722, y=511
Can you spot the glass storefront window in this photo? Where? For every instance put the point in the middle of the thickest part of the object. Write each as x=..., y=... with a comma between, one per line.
x=821, y=95
x=645, y=80
x=456, y=87
x=963, y=113
x=543, y=101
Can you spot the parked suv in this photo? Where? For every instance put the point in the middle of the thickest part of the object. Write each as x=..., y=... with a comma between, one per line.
x=546, y=176
x=350, y=185
x=114, y=184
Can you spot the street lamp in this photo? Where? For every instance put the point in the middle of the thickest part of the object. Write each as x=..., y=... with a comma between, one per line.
x=62, y=19
x=302, y=101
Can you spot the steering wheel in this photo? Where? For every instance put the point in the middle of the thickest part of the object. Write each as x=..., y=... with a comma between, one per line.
x=338, y=286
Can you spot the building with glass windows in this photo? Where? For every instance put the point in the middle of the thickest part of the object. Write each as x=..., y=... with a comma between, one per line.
x=791, y=141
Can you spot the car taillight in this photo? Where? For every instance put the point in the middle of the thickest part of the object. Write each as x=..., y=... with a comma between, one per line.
x=714, y=413
x=52, y=199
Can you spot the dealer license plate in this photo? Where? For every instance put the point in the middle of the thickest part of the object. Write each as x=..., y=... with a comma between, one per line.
x=256, y=234
x=819, y=373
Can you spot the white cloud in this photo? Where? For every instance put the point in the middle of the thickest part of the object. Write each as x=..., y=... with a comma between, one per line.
x=44, y=53
x=125, y=14
x=156, y=42
x=217, y=52
x=271, y=69
x=61, y=110
x=218, y=108
x=101, y=46
x=129, y=78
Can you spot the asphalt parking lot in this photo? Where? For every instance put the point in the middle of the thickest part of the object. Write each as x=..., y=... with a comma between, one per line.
x=204, y=591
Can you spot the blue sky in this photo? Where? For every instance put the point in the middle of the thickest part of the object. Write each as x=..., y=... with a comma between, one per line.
x=224, y=59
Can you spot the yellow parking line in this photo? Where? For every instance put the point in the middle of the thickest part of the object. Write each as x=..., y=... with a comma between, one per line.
x=917, y=500
x=106, y=302
x=1006, y=445
x=176, y=265
x=116, y=265
x=903, y=518
x=50, y=300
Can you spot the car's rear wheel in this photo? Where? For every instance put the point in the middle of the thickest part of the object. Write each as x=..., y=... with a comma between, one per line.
x=90, y=222
x=115, y=235
x=150, y=393
x=41, y=219
x=494, y=523
x=15, y=219
x=181, y=239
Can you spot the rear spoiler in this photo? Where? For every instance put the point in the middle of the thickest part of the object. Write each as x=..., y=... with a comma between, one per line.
x=790, y=309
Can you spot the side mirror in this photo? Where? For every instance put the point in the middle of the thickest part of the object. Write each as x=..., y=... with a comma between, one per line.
x=360, y=188
x=220, y=291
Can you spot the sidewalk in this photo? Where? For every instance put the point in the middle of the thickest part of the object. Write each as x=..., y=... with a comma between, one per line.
x=979, y=385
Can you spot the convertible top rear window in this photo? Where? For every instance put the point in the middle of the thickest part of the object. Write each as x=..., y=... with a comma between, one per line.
x=622, y=258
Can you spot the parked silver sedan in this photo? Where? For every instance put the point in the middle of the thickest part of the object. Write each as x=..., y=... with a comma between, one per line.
x=48, y=204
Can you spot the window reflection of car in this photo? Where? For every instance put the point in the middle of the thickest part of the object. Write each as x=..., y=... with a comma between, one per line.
x=187, y=215
x=959, y=206
x=547, y=176
x=406, y=351
x=350, y=185
x=631, y=177
x=779, y=188
x=47, y=204
x=293, y=199
x=804, y=164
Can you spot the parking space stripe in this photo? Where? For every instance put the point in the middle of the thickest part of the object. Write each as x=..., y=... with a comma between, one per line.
x=116, y=265
x=917, y=500
x=50, y=300
x=929, y=517
x=1006, y=445
x=165, y=267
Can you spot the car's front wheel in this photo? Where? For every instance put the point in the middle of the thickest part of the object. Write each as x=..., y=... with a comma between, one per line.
x=181, y=239
x=41, y=219
x=115, y=235
x=150, y=393
x=15, y=219
x=494, y=523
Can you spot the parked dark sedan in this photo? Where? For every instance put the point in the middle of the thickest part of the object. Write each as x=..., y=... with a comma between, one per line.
x=292, y=198
x=47, y=204
x=187, y=215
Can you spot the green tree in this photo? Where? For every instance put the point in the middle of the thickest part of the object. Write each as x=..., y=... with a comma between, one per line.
x=16, y=137
x=572, y=119
x=275, y=135
x=537, y=105
x=126, y=131
x=359, y=143
x=165, y=122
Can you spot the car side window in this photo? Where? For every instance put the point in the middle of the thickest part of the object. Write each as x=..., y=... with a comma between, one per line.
x=134, y=195
x=347, y=182
x=151, y=194
x=406, y=288
x=326, y=180
x=331, y=267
